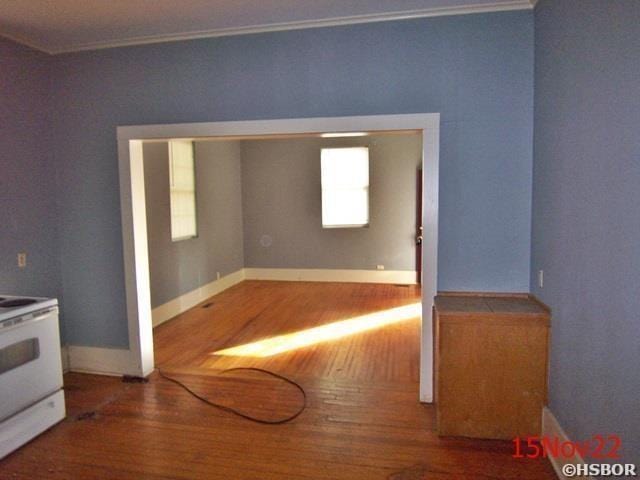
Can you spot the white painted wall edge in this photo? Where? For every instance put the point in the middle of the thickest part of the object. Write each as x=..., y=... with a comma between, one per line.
x=404, y=277
x=181, y=304
x=64, y=354
x=551, y=428
x=136, y=256
x=239, y=128
x=100, y=361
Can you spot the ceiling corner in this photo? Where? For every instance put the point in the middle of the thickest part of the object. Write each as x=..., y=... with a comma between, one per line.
x=26, y=43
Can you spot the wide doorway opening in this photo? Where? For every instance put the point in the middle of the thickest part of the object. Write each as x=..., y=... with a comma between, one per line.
x=285, y=244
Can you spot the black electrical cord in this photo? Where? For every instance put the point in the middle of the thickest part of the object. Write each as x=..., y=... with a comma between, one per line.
x=237, y=412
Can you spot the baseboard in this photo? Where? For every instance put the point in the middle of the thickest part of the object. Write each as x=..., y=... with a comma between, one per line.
x=551, y=428
x=99, y=361
x=332, y=275
x=116, y=362
x=184, y=302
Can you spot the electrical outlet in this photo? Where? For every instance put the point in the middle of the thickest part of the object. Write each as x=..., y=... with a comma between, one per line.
x=541, y=278
x=217, y=275
x=380, y=267
x=22, y=260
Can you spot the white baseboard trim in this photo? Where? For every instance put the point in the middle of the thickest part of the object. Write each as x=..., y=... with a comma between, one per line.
x=117, y=362
x=99, y=361
x=331, y=275
x=551, y=428
x=190, y=299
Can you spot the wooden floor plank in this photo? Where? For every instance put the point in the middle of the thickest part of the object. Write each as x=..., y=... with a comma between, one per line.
x=363, y=419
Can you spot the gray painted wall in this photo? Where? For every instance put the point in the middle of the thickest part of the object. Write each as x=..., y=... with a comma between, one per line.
x=586, y=220
x=178, y=267
x=28, y=215
x=282, y=200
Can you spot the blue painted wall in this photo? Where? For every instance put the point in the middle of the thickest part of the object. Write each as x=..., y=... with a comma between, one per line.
x=586, y=216
x=476, y=70
x=27, y=190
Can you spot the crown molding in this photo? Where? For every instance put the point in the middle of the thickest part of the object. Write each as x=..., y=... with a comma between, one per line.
x=26, y=43
x=277, y=27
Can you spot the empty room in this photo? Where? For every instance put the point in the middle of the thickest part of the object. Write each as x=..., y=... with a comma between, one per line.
x=341, y=240
x=337, y=213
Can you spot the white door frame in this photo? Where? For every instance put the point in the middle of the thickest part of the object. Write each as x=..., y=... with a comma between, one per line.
x=134, y=224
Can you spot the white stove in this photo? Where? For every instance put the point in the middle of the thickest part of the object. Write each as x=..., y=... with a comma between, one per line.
x=14, y=307
x=31, y=395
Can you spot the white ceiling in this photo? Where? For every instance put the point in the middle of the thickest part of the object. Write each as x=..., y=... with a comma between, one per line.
x=58, y=26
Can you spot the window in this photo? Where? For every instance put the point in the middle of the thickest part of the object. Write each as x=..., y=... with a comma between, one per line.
x=182, y=187
x=345, y=187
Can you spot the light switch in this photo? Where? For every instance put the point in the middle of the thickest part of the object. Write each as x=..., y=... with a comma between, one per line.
x=22, y=260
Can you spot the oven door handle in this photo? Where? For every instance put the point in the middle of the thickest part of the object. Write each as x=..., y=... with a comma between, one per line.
x=43, y=315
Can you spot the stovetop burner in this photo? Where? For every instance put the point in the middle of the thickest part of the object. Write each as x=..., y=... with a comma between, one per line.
x=17, y=302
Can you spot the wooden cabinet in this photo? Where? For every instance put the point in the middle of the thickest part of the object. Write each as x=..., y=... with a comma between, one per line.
x=490, y=365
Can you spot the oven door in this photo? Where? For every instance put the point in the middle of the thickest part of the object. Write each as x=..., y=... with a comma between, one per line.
x=30, y=363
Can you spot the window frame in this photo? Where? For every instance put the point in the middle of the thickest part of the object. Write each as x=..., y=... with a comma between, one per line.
x=328, y=189
x=172, y=189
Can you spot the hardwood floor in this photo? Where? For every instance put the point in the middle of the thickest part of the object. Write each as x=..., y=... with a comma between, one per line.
x=363, y=419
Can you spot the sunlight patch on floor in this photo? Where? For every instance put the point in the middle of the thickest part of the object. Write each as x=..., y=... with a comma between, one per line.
x=331, y=331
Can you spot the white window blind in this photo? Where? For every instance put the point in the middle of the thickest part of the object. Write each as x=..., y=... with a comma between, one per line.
x=182, y=186
x=345, y=187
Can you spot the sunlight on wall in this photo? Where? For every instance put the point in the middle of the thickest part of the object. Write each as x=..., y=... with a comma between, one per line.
x=324, y=333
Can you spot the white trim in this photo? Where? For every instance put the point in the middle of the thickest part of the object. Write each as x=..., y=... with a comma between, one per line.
x=64, y=354
x=181, y=304
x=292, y=126
x=136, y=255
x=551, y=428
x=429, y=281
x=172, y=308
x=101, y=361
x=295, y=25
x=27, y=43
x=134, y=230
x=405, y=277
